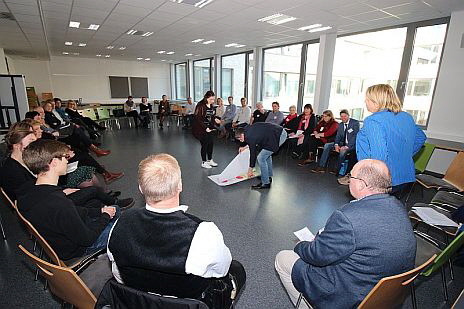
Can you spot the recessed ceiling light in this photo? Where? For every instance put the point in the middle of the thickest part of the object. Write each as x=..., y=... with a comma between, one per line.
x=320, y=29
x=197, y=40
x=74, y=24
x=186, y=55
x=264, y=19
x=99, y=55
x=208, y=42
x=68, y=43
x=107, y=56
x=163, y=60
x=231, y=45
x=170, y=53
x=310, y=27
x=195, y=3
x=82, y=44
x=197, y=55
x=109, y=47
x=147, y=33
x=93, y=27
x=147, y=59
x=139, y=58
x=276, y=19
x=65, y=53
x=240, y=45
x=122, y=48
x=202, y=3
x=76, y=54
x=132, y=31
x=161, y=52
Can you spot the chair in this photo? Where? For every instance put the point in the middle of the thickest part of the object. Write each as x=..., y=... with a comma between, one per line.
x=453, y=179
x=422, y=158
x=389, y=292
x=450, y=199
x=90, y=112
x=459, y=303
x=119, y=296
x=7, y=199
x=64, y=283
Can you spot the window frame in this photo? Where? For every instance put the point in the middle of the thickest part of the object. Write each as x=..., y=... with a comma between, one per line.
x=247, y=64
x=211, y=59
x=187, y=90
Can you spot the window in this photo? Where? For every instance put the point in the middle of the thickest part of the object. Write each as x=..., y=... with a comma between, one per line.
x=311, y=71
x=202, y=70
x=233, y=76
x=281, y=76
x=363, y=60
x=227, y=82
x=181, y=81
x=250, y=76
x=428, y=46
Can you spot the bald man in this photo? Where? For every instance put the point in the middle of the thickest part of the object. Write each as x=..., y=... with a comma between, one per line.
x=362, y=242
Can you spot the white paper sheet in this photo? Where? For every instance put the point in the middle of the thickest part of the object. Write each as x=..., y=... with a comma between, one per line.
x=304, y=234
x=71, y=167
x=433, y=217
x=235, y=172
x=296, y=135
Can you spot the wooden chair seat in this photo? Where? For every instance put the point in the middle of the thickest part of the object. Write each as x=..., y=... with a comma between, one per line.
x=429, y=182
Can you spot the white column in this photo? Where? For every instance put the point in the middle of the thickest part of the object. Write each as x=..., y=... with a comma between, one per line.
x=257, y=75
x=217, y=75
x=324, y=72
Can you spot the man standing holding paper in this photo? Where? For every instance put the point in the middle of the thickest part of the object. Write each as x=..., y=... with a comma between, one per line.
x=362, y=242
x=267, y=137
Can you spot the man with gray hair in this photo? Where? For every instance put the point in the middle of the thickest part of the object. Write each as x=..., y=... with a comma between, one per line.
x=362, y=242
x=162, y=249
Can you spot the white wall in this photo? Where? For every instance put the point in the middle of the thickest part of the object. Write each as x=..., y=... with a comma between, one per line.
x=3, y=68
x=448, y=107
x=72, y=78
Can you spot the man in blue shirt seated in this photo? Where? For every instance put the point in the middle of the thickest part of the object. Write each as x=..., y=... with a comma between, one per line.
x=229, y=115
x=345, y=143
x=361, y=243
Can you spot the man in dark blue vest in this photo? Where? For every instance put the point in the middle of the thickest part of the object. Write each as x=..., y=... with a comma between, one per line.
x=162, y=249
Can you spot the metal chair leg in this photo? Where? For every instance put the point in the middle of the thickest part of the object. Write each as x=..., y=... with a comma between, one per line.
x=298, y=302
x=410, y=191
x=1, y=226
x=37, y=269
x=413, y=296
x=443, y=281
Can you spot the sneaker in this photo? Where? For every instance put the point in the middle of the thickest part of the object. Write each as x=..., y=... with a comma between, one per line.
x=205, y=165
x=125, y=203
x=212, y=163
x=345, y=180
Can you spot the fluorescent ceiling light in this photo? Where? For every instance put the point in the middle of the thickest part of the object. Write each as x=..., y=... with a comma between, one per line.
x=277, y=19
x=161, y=52
x=231, y=45
x=82, y=44
x=132, y=31
x=65, y=53
x=139, y=58
x=74, y=24
x=186, y=55
x=93, y=27
x=99, y=55
x=170, y=53
x=320, y=29
x=107, y=56
x=310, y=27
x=208, y=42
x=76, y=54
x=68, y=43
x=240, y=45
x=122, y=48
x=147, y=59
x=163, y=60
x=282, y=21
x=202, y=3
x=265, y=19
x=197, y=55
x=147, y=33
x=197, y=41
x=109, y=47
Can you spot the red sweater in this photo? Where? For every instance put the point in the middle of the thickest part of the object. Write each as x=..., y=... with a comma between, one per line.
x=328, y=128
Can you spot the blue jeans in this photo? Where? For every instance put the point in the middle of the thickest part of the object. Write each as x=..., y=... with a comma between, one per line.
x=102, y=240
x=265, y=160
x=325, y=155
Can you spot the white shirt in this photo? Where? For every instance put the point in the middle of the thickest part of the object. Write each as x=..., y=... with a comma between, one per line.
x=54, y=112
x=190, y=108
x=208, y=256
x=243, y=115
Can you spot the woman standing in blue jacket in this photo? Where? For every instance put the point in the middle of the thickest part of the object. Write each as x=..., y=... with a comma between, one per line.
x=390, y=135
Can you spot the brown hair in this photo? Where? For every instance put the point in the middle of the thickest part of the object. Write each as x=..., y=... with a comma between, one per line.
x=40, y=153
x=385, y=97
x=17, y=132
x=159, y=177
x=329, y=113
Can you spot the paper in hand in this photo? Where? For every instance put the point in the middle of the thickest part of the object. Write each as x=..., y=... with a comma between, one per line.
x=304, y=234
x=72, y=167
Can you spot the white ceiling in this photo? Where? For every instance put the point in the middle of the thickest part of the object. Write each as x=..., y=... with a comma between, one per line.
x=36, y=35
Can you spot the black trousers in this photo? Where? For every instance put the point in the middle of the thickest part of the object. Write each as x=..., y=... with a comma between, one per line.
x=136, y=116
x=85, y=159
x=91, y=197
x=207, y=144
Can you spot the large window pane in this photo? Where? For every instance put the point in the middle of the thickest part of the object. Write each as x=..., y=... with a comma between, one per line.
x=233, y=76
x=181, y=81
x=201, y=78
x=281, y=76
x=428, y=46
x=311, y=71
x=361, y=61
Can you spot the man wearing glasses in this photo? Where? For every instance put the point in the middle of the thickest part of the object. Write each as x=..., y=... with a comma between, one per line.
x=362, y=242
x=72, y=231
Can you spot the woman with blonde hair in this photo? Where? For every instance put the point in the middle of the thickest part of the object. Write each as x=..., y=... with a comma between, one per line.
x=389, y=135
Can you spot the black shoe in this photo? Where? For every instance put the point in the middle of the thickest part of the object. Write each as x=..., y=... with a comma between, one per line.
x=125, y=203
x=261, y=186
x=270, y=179
x=114, y=193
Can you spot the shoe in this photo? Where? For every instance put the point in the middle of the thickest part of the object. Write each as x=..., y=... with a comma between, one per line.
x=212, y=163
x=345, y=180
x=99, y=152
x=333, y=171
x=110, y=177
x=318, y=170
x=305, y=162
x=261, y=186
x=125, y=203
x=205, y=165
x=114, y=193
x=270, y=179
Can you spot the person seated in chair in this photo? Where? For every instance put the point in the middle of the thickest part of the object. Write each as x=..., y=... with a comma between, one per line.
x=344, y=144
x=275, y=116
x=228, y=117
x=241, y=119
x=362, y=242
x=188, y=114
x=260, y=114
x=145, y=109
x=130, y=110
x=170, y=252
x=302, y=125
x=289, y=121
x=163, y=110
x=71, y=111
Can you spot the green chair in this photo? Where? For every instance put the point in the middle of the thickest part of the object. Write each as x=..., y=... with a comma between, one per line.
x=103, y=113
x=90, y=112
x=422, y=158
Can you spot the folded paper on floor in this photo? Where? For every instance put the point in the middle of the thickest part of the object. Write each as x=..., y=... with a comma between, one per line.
x=235, y=172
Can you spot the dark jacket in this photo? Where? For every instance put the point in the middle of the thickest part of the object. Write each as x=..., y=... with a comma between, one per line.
x=352, y=131
x=362, y=242
x=199, y=121
x=262, y=135
x=73, y=114
x=52, y=121
x=329, y=129
x=295, y=123
x=13, y=176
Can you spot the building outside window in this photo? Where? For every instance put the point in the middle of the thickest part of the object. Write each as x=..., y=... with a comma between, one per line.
x=181, y=81
x=201, y=78
x=233, y=76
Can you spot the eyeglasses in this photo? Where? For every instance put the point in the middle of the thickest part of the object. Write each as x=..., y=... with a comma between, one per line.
x=67, y=156
x=352, y=177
